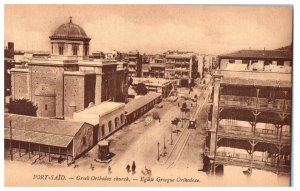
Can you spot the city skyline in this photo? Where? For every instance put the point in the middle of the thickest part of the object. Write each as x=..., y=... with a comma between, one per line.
x=154, y=29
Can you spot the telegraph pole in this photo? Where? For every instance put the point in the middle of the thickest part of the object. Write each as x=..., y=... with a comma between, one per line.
x=158, y=151
x=11, y=151
x=171, y=135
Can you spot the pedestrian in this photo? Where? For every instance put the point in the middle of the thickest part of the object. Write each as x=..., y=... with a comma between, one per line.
x=109, y=170
x=92, y=167
x=128, y=168
x=133, y=167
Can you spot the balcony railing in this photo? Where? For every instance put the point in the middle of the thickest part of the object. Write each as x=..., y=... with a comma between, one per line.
x=253, y=102
x=269, y=135
x=259, y=162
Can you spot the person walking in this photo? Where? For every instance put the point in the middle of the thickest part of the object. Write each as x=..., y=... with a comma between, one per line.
x=109, y=170
x=133, y=167
x=128, y=168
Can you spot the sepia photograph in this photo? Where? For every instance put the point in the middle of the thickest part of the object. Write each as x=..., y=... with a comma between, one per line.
x=169, y=95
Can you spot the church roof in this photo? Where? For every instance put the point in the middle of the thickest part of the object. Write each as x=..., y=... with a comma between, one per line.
x=69, y=31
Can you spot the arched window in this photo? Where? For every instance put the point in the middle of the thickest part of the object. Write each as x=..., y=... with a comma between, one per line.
x=116, y=122
x=102, y=130
x=109, y=126
x=122, y=118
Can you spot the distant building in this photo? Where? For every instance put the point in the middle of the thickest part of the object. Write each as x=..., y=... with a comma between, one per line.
x=134, y=59
x=9, y=50
x=157, y=66
x=69, y=81
x=139, y=106
x=159, y=85
x=8, y=65
x=182, y=66
x=257, y=60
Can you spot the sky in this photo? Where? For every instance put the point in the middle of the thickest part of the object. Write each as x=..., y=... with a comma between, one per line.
x=154, y=28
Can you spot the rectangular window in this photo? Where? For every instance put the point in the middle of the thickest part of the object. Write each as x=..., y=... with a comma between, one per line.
x=86, y=50
x=84, y=140
x=245, y=61
x=280, y=63
x=231, y=61
x=75, y=50
x=46, y=107
x=61, y=50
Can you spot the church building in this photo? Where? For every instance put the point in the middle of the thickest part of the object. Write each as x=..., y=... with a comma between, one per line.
x=69, y=81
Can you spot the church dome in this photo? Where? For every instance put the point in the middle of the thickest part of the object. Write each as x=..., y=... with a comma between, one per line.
x=69, y=31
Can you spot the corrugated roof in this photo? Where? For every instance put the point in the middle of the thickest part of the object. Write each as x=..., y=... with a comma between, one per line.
x=140, y=102
x=43, y=125
x=259, y=54
x=255, y=82
x=38, y=137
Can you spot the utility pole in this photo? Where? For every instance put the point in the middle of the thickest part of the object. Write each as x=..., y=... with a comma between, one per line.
x=158, y=151
x=165, y=152
x=171, y=135
x=11, y=151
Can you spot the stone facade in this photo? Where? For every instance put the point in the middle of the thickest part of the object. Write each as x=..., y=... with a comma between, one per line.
x=69, y=82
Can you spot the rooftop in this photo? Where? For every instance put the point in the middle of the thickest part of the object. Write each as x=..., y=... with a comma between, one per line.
x=162, y=65
x=69, y=31
x=140, y=102
x=255, y=82
x=255, y=75
x=92, y=114
x=260, y=54
x=151, y=81
x=41, y=130
x=187, y=55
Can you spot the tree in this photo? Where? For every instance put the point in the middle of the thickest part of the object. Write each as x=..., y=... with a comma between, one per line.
x=196, y=98
x=156, y=116
x=141, y=89
x=184, y=106
x=22, y=107
x=175, y=122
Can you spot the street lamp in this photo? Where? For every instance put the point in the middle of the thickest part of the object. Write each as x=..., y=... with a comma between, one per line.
x=158, y=151
x=165, y=152
x=171, y=135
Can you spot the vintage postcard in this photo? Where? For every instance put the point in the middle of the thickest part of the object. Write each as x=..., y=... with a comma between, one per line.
x=147, y=95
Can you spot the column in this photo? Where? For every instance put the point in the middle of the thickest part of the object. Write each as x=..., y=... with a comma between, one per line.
x=98, y=84
x=214, y=114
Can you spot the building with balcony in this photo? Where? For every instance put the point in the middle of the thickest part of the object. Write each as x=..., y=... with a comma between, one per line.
x=134, y=59
x=251, y=112
x=251, y=120
x=182, y=66
x=158, y=85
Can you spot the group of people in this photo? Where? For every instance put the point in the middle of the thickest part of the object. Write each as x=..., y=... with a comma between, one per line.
x=133, y=167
